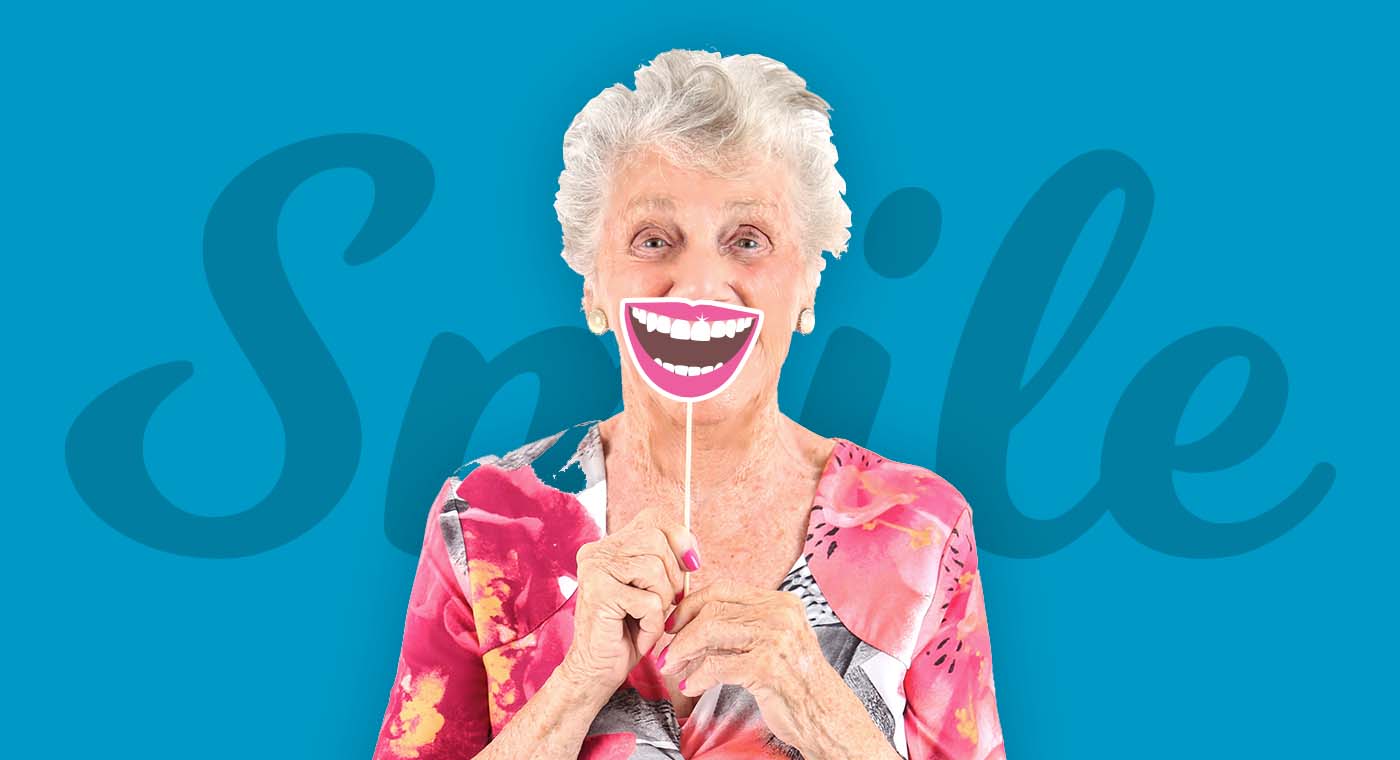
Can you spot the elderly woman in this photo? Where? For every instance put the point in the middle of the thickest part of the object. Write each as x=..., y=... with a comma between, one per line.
x=835, y=608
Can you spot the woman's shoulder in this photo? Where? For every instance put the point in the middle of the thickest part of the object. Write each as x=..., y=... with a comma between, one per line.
x=882, y=524
x=860, y=485
x=531, y=476
x=568, y=459
x=521, y=523
x=533, y=488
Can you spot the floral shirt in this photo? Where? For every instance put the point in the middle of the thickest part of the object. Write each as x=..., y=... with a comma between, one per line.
x=888, y=576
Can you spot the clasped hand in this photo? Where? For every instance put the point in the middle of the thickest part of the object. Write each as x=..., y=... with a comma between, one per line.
x=725, y=632
x=730, y=633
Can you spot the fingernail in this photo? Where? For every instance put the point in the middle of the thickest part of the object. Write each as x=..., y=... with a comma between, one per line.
x=679, y=594
x=661, y=659
x=692, y=559
x=671, y=620
x=681, y=685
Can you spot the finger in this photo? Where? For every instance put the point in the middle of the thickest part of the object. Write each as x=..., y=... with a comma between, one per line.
x=685, y=547
x=644, y=571
x=722, y=590
x=720, y=627
x=735, y=668
x=654, y=540
x=646, y=606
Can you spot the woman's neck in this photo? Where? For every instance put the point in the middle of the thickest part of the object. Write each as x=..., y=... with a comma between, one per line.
x=754, y=444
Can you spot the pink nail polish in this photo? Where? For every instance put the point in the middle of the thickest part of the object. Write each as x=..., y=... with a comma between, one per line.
x=670, y=621
x=661, y=658
x=692, y=559
x=681, y=685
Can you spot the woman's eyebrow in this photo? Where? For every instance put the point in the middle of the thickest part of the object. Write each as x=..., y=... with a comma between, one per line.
x=763, y=211
x=750, y=204
x=650, y=203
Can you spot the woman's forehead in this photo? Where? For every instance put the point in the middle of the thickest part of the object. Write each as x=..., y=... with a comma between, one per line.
x=652, y=184
x=646, y=202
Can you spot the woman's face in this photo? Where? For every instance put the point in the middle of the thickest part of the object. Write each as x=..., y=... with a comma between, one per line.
x=674, y=232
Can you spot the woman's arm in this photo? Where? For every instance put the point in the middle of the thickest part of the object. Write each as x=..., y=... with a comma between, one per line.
x=438, y=703
x=553, y=723
x=951, y=707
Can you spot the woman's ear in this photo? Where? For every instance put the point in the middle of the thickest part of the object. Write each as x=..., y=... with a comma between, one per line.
x=814, y=279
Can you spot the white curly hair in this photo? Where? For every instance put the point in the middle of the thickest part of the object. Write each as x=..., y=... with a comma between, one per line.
x=703, y=110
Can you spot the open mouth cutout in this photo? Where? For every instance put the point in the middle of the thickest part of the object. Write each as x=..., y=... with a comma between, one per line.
x=688, y=350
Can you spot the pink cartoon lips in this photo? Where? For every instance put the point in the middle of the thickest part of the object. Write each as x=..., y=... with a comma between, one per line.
x=688, y=350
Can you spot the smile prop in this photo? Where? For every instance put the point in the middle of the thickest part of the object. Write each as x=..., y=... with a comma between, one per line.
x=688, y=351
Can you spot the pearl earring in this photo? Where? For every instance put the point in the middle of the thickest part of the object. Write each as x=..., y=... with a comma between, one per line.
x=597, y=321
x=806, y=321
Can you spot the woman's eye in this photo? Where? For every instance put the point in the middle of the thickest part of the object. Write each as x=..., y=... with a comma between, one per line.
x=652, y=244
x=750, y=242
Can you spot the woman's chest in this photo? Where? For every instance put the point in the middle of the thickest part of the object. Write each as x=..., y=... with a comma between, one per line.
x=743, y=534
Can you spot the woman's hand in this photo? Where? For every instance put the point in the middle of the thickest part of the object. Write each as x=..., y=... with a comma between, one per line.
x=729, y=633
x=626, y=584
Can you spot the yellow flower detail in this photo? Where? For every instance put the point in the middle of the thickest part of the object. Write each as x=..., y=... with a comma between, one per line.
x=490, y=589
x=498, y=677
x=419, y=721
x=971, y=623
x=967, y=721
x=918, y=537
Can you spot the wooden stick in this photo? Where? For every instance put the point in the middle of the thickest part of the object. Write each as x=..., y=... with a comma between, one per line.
x=688, y=406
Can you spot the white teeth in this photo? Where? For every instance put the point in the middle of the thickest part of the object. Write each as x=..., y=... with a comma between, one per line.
x=685, y=371
x=658, y=360
x=683, y=329
x=681, y=369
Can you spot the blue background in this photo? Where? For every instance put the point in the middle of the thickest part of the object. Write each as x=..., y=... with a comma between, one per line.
x=1268, y=138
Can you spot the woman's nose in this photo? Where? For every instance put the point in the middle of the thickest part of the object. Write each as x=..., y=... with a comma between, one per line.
x=701, y=274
